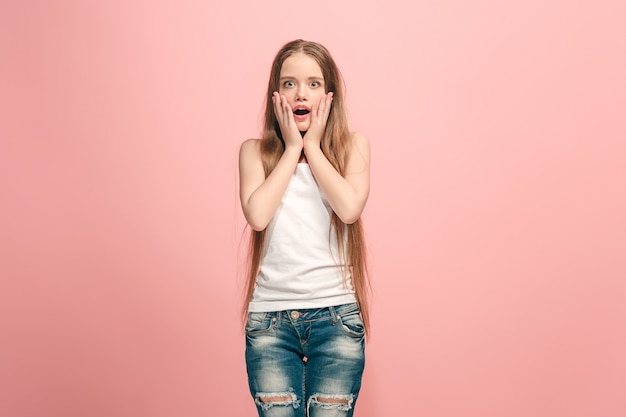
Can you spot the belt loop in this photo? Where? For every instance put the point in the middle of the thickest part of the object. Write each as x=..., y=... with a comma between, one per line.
x=333, y=315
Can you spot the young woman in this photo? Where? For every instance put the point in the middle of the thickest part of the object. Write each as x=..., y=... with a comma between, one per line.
x=303, y=186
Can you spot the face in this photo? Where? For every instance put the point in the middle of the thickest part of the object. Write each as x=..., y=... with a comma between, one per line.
x=302, y=83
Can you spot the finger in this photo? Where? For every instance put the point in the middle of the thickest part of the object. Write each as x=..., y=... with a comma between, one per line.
x=277, y=107
x=288, y=113
x=328, y=104
x=321, y=110
x=281, y=112
x=283, y=104
x=315, y=107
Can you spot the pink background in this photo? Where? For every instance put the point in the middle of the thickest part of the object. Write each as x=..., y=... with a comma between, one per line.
x=496, y=219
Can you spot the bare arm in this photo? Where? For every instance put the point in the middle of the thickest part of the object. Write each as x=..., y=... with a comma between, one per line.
x=346, y=195
x=261, y=196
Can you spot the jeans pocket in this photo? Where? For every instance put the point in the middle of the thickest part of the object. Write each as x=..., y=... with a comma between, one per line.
x=258, y=323
x=352, y=323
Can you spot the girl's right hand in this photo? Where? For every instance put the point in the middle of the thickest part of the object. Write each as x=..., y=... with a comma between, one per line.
x=287, y=123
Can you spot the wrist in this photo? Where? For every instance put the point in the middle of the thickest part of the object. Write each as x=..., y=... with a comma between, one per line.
x=312, y=148
x=293, y=151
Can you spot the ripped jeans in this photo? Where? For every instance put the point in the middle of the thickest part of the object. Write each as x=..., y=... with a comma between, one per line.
x=305, y=362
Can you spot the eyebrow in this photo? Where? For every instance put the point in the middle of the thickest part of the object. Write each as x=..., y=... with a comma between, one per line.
x=290, y=77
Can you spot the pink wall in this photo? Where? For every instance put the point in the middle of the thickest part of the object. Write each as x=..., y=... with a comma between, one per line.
x=496, y=219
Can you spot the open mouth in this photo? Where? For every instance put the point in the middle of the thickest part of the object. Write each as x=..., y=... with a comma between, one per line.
x=301, y=112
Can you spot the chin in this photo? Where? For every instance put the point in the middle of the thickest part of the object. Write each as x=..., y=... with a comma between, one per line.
x=303, y=127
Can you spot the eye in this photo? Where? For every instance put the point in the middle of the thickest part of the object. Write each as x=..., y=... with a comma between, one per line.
x=289, y=84
x=315, y=84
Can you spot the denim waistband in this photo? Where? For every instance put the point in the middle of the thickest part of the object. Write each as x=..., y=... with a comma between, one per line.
x=314, y=314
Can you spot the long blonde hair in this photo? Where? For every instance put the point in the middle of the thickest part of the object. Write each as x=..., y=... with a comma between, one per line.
x=336, y=146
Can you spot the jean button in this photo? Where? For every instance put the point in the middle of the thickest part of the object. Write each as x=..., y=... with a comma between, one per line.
x=295, y=315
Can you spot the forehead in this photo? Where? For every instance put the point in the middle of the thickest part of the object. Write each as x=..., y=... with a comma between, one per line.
x=301, y=65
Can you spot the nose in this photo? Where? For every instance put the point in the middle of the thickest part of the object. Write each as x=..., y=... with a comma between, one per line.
x=301, y=93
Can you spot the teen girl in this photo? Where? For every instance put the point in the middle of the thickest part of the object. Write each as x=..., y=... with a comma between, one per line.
x=303, y=186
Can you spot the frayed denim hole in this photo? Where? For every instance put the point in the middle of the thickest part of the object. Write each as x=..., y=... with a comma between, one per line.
x=290, y=399
x=317, y=401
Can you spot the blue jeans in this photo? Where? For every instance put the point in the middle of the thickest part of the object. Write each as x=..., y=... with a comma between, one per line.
x=305, y=362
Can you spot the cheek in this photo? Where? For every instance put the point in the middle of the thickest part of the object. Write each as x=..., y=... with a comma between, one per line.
x=288, y=93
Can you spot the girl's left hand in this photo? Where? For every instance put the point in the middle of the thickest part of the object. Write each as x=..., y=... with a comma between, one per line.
x=319, y=118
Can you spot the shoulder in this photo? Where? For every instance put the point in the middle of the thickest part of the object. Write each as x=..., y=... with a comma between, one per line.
x=250, y=149
x=359, y=140
x=250, y=155
x=250, y=145
x=360, y=144
x=359, y=154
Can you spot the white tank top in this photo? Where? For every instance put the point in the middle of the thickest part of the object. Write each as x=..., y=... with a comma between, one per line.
x=300, y=267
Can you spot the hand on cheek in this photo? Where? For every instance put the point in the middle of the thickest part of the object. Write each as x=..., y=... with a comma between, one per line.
x=286, y=121
x=319, y=118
